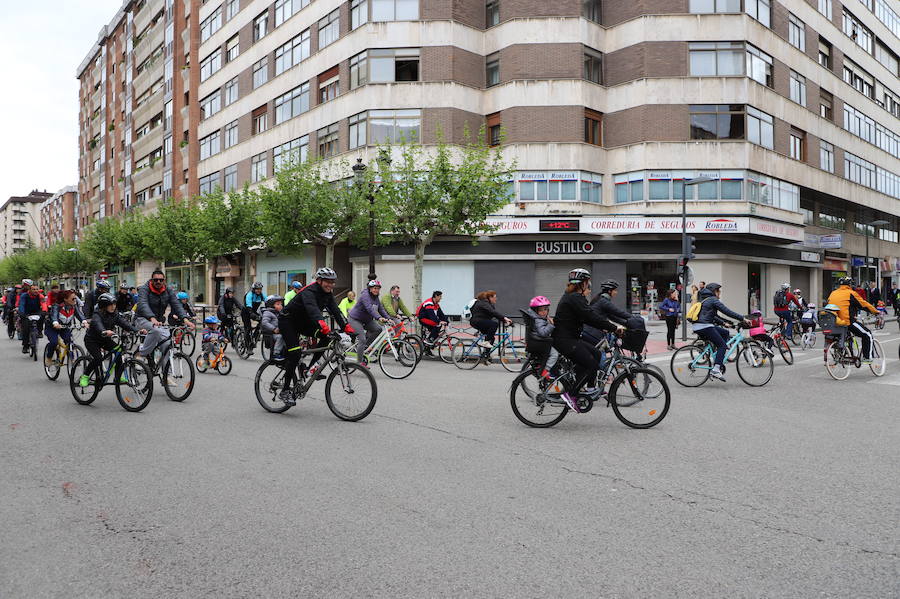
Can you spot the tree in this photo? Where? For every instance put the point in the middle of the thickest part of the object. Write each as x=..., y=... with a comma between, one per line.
x=450, y=192
x=229, y=223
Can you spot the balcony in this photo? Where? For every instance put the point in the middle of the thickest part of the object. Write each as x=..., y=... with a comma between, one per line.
x=145, y=78
x=152, y=106
x=148, y=142
x=147, y=176
x=150, y=10
x=151, y=41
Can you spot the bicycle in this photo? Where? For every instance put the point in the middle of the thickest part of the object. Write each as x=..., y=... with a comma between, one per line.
x=245, y=340
x=691, y=365
x=397, y=358
x=132, y=379
x=443, y=343
x=65, y=355
x=467, y=357
x=399, y=332
x=184, y=339
x=808, y=340
x=360, y=391
x=34, y=333
x=781, y=342
x=220, y=362
x=174, y=369
x=840, y=355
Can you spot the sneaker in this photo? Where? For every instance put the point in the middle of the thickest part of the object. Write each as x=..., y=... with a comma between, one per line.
x=84, y=381
x=867, y=360
x=485, y=345
x=592, y=392
x=571, y=402
x=48, y=362
x=287, y=397
x=717, y=373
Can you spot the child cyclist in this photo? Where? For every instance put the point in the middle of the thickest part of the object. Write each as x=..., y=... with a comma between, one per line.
x=269, y=323
x=540, y=333
x=98, y=337
x=809, y=321
x=63, y=316
x=210, y=338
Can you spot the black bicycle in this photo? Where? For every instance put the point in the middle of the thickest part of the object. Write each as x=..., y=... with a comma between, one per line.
x=132, y=379
x=174, y=369
x=34, y=333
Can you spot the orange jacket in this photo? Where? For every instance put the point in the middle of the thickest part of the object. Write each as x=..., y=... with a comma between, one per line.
x=846, y=299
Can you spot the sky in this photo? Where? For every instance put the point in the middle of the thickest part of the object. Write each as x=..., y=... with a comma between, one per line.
x=42, y=44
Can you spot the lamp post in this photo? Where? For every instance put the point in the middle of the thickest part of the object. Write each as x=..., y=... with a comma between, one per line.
x=684, y=264
x=873, y=224
x=359, y=175
x=74, y=251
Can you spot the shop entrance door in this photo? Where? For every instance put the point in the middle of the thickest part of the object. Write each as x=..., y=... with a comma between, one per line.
x=638, y=274
x=754, y=287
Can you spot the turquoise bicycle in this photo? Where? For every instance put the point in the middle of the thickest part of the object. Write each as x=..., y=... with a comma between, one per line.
x=132, y=378
x=467, y=354
x=692, y=364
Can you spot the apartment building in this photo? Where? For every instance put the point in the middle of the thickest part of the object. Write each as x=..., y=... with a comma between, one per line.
x=18, y=222
x=58, y=217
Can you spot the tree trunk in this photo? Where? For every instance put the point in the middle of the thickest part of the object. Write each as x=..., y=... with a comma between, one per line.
x=418, y=267
x=329, y=253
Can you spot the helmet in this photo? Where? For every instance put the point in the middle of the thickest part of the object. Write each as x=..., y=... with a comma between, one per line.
x=123, y=285
x=797, y=292
x=785, y=285
x=211, y=320
x=374, y=283
x=8, y=289
x=105, y=299
x=578, y=275
x=101, y=284
x=326, y=273
x=257, y=285
x=831, y=308
x=229, y=290
x=756, y=313
x=810, y=305
x=272, y=299
x=28, y=282
x=296, y=285
x=608, y=285
x=182, y=295
x=845, y=281
x=713, y=287
x=538, y=302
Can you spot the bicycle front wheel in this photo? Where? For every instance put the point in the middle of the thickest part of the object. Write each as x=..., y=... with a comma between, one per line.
x=691, y=365
x=786, y=353
x=445, y=348
x=835, y=365
x=466, y=356
x=512, y=355
x=878, y=362
x=187, y=344
x=87, y=394
x=535, y=403
x=136, y=390
x=399, y=361
x=351, y=391
x=241, y=346
x=268, y=384
x=75, y=352
x=52, y=370
x=636, y=407
x=755, y=365
x=224, y=365
x=417, y=344
x=178, y=377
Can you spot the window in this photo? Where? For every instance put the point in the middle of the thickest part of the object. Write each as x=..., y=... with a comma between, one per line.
x=230, y=178
x=211, y=104
x=329, y=28
x=762, y=189
x=394, y=125
x=547, y=190
x=888, y=235
x=858, y=170
x=261, y=26
x=824, y=53
x=826, y=105
x=211, y=24
x=329, y=141
x=231, y=8
x=209, y=183
x=210, y=65
x=293, y=152
x=232, y=49
x=798, y=88
x=796, y=33
x=887, y=16
x=825, y=8
x=492, y=13
x=285, y=9
x=260, y=118
x=291, y=53
x=759, y=10
x=858, y=32
x=209, y=145
x=592, y=121
x=359, y=70
x=494, y=130
x=832, y=221
x=891, y=102
x=797, y=144
x=231, y=91
x=717, y=121
x=629, y=187
x=395, y=10
x=714, y=6
x=759, y=66
x=593, y=70
x=358, y=125
x=259, y=168
x=329, y=85
x=384, y=66
x=260, y=72
x=887, y=58
x=291, y=104
x=861, y=80
x=167, y=145
x=859, y=124
x=760, y=128
x=717, y=58
x=231, y=134
x=826, y=156
x=492, y=69
x=359, y=13
x=591, y=10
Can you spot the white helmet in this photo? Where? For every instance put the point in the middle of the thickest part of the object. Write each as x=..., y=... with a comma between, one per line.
x=797, y=292
x=785, y=285
x=326, y=273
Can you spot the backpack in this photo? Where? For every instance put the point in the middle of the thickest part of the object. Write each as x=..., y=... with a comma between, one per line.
x=693, y=313
x=780, y=299
x=467, y=310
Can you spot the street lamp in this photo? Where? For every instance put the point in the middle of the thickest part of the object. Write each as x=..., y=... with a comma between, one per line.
x=75, y=251
x=874, y=223
x=684, y=264
x=359, y=175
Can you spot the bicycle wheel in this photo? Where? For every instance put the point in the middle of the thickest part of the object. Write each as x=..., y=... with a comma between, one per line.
x=33, y=343
x=835, y=364
x=178, y=377
x=466, y=356
x=398, y=362
x=878, y=362
x=224, y=365
x=52, y=371
x=136, y=391
x=188, y=343
x=690, y=365
x=268, y=383
x=755, y=365
x=240, y=345
x=445, y=348
x=539, y=409
x=75, y=352
x=512, y=355
x=354, y=395
x=266, y=346
x=201, y=364
x=83, y=395
x=636, y=408
x=786, y=352
x=417, y=344
x=645, y=385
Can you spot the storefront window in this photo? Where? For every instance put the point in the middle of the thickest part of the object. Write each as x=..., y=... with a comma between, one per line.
x=188, y=278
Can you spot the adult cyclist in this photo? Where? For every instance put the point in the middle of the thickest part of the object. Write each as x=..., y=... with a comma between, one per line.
x=90, y=298
x=782, y=301
x=708, y=325
x=9, y=308
x=30, y=303
x=603, y=305
x=154, y=298
x=124, y=299
x=228, y=305
x=572, y=313
x=252, y=301
x=849, y=302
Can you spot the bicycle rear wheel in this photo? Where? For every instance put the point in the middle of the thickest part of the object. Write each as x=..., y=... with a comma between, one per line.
x=268, y=384
x=137, y=390
x=84, y=395
x=417, y=344
x=34, y=342
x=512, y=355
x=178, y=377
x=445, y=348
x=354, y=395
x=754, y=365
x=878, y=361
x=690, y=365
x=466, y=356
x=398, y=362
x=786, y=352
x=636, y=407
x=835, y=365
x=535, y=403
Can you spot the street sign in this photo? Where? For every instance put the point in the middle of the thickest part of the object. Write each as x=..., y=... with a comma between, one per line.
x=690, y=276
x=103, y=275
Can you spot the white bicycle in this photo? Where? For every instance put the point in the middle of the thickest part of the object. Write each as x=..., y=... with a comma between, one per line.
x=808, y=340
x=397, y=358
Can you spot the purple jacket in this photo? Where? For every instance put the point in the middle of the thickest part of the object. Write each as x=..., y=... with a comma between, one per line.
x=367, y=308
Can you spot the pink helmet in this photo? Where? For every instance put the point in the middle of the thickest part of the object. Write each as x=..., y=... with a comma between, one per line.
x=375, y=283
x=539, y=301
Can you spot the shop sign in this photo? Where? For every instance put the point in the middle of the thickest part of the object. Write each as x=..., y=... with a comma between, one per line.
x=831, y=242
x=773, y=229
x=721, y=225
x=834, y=264
x=563, y=247
x=547, y=176
x=224, y=268
x=809, y=256
x=858, y=262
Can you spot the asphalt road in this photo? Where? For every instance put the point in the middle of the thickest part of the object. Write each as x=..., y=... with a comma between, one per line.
x=786, y=491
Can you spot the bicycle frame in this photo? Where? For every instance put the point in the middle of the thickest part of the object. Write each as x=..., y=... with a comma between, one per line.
x=504, y=337
x=335, y=357
x=385, y=337
x=732, y=344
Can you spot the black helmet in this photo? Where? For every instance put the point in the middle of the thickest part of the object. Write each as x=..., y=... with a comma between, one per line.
x=229, y=290
x=270, y=301
x=608, y=285
x=101, y=284
x=846, y=281
x=123, y=285
x=105, y=300
x=713, y=287
x=578, y=275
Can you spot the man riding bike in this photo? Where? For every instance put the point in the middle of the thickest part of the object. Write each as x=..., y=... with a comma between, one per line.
x=603, y=305
x=303, y=316
x=30, y=303
x=849, y=303
x=153, y=299
x=90, y=298
x=9, y=308
x=252, y=301
x=782, y=301
x=228, y=304
x=708, y=325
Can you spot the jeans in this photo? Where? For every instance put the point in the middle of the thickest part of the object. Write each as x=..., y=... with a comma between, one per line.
x=53, y=335
x=365, y=334
x=788, y=316
x=718, y=337
x=487, y=328
x=155, y=336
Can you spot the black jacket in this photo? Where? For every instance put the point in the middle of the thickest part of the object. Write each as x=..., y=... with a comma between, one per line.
x=105, y=321
x=304, y=311
x=124, y=302
x=604, y=306
x=227, y=307
x=153, y=305
x=711, y=306
x=572, y=313
x=90, y=302
x=484, y=310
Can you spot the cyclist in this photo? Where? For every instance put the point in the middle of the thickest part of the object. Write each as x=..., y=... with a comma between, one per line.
x=185, y=305
x=124, y=300
x=9, y=308
x=63, y=316
x=90, y=298
x=303, y=316
x=849, y=302
x=366, y=317
x=782, y=301
x=252, y=300
x=211, y=336
x=269, y=323
x=432, y=317
x=227, y=306
x=572, y=313
x=153, y=299
x=30, y=303
x=708, y=325
x=808, y=320
x=485, y=318
x=539, y=339
x=603, y=305
x=346, y=303
x=394, y=305
x=295, y=287
x=98, y=337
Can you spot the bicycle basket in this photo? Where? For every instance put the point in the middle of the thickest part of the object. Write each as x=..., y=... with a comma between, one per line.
x=634, y=340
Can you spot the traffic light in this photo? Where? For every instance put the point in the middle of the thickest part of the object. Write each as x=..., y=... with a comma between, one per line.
x=689, y=247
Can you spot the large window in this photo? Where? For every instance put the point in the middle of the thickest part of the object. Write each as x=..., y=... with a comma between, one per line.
x=759, y=65
x=859, y=124
x=261, y=26
x=832, y=221
x=329, y=28
x=717, y=121
x=858, y=32
x=359, y=70
x=230, y=178
x=231, y=91
x=231, y=134
x=798, y=88
x=395, y=10
x=825, y=8
x=260, y=72
x=329, y=140
x=591, y=10
x=292, y=53
x=858, y=170
x=717, y=58
x=285, y=9
x=210, y=65
x=291, y=104
x=797, y=32
x=231, y=8
x=762, y=189
x=860, y=79
x=393, y=65
x=209, y=183
x=826, y=156
x=593, y=65
x=492, y=69
x=888, y=59
x=211, y=24
x=259, y=168
x=760, y=128
x=359, y=13
x=548, y=189
x=210, y=145
x=394, y=126
x=358, y=125
x=761, y=10
x=715, y=6
x=293, y=152
x=211, y=104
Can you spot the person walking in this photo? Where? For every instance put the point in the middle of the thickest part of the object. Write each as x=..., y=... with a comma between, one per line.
x=894, y=298
x=670, y=309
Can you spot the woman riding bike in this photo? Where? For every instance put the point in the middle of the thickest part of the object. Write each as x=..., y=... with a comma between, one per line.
x=708, y=325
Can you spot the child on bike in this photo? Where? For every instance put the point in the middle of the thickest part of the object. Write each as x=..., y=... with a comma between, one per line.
x=808, y=320
x=63, y=316
x=211, y=337
x=269, y=323
x=539, y=340
x=98, y=337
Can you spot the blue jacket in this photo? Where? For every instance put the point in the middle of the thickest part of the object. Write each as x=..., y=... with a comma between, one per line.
x=367, y=308
x=711, y=306
x=253, y=300
x=30, y=305
x=670, y=307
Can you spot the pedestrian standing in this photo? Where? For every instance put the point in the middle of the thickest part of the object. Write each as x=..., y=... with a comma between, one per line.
x=670, y=309
x=694, y=291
